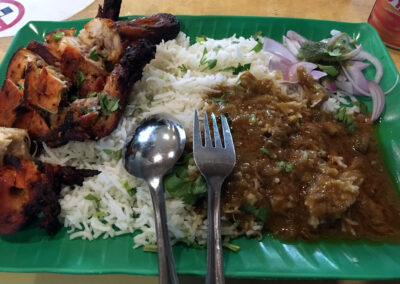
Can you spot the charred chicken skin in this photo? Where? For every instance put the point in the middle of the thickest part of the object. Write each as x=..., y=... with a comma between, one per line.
x=28, y=188
x=76, y=87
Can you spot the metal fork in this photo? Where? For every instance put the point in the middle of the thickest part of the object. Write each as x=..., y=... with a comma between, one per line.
x=215, y=163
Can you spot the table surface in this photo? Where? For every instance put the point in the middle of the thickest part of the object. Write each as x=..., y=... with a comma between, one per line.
x=338, y=10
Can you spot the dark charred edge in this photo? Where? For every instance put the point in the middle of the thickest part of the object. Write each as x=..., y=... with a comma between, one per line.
x=71, y=176
x=57, y=137
x=110, y=9
x=155, y=28
x=41, y=49
x=41, y=167
x=133, y=61
x=10, y=160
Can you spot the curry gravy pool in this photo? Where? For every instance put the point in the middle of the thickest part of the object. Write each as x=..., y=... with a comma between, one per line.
x=303, y=173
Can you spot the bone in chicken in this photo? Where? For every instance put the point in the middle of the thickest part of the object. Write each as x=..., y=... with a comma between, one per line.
x=76, y=88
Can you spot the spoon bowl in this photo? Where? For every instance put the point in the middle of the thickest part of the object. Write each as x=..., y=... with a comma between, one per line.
x=155, y=147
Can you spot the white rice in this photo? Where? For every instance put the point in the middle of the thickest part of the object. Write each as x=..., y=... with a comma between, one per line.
x=164, y=88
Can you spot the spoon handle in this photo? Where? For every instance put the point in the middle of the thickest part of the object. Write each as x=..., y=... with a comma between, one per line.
x=166, y=263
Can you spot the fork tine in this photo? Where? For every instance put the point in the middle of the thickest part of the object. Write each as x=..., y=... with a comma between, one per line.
x=196, y=131
x=217, y=138
x=228, y=141
x=207, y=135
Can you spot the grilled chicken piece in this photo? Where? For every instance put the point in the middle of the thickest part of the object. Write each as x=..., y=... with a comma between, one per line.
x=49, y=54
x=44, y=87
x=11, y=97
x=32, y=121
x=28, y=188
x=54, y=73
x=93, y=117
x=92, y=77
x=18, y=63
x=155, y=28
x=102, y=37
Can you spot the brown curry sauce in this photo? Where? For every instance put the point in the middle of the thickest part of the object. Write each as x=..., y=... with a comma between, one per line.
x=315, y=177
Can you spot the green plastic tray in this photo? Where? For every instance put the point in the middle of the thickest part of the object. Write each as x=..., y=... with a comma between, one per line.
x=33, y=251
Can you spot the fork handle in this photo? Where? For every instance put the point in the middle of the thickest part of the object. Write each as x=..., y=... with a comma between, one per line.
x=215, y=265
x=166, y=263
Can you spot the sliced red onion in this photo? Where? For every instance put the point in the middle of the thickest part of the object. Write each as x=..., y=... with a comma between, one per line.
x=359, y=64
x=308, y=66
x=292, y=46
x=278, y=63
x=329, y=85
x=335, y=32
x=295, y=36
x=358, y=77
x=345, y=86
x=275, y=47
x=317, y=74
x=363, y=55
x=352, y=53
x=378, y=100
x=357, y=88
x=341, y=77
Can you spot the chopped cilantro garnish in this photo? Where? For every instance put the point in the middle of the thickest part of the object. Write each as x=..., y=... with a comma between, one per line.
x=203, y=59
x=131, y=190
x=342, y=116
x=116, y=155
x=92, y=198
x=236, y=70
x=80, y=77
x=331, y=70
x=58, y=35
x=180, y=185
x=183, y=68
x=257, y=35
x=85, y=110
x=217, y=48
x=221, y=99
x=286, y=166
x=232, y=247
x=210, y=64
x=257, y=48
x=235, y=42
x=99, y=214
x=93, y=94
x=265, y=151
x=20, y=87
x=93, y=54
x=241, y=68
x=259, y=212
x=108, y=104
x=363, y=107
x=201, y=38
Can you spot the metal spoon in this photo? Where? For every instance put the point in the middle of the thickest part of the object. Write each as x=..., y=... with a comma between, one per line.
x=154, y=149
